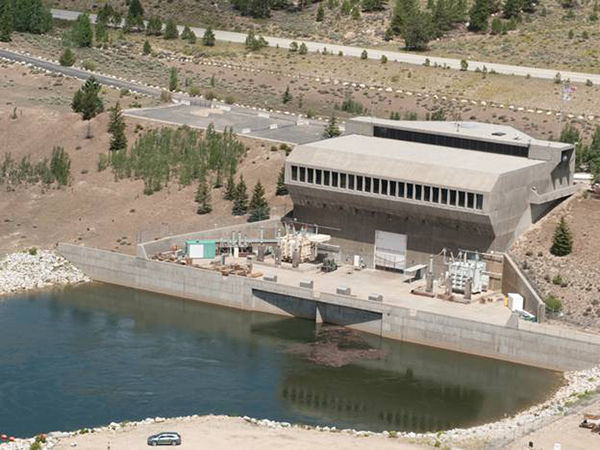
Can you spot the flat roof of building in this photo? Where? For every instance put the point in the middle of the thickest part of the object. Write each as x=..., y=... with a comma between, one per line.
x=410, y=161
x=475, y=130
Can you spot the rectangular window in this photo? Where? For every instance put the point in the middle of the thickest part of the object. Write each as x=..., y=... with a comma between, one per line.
x=435, y=195
x=343, y=180
x=294, y=173
x=400, y=189
x=375, y=185
x=334, y=179
x=359, y=183
x=326, y=177
x=311, y=175
x=479, y=204
x=418, y=191
x=303, y=174
x=453, y=198
x=384, y=187
x=461, y=199
x=318, y=176
x=367, y=184
x=351, y=182
x=426, y=193
x=393, y=188
x=470, y=200
x=444, y=196
x=409, y=190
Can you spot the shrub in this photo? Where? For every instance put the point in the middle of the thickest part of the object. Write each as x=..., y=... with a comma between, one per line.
x=60, y=166
x=557, y=280
x=103, y=162
x=384, y=59
x=89, y=65
x=351, y=106
x=166, y=97
x=230, y=99
x=32, y=251
x=293, y=46
x=364, y=55
x=67, y=59
x=553, y=304
x=35, y=446
x=194, y=91
x=210, y=95
x=303, y=49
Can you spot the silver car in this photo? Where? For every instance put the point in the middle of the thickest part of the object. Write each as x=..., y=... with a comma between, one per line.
x=165, y=438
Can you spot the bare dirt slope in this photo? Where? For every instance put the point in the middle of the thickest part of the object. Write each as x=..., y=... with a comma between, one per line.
x=95, y=210
x=574, y=279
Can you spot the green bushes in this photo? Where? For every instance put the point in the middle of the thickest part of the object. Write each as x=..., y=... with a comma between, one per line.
x=562, y=242
x=553, y=304
x=351, y=106
x=160, y=156
x=60, y=166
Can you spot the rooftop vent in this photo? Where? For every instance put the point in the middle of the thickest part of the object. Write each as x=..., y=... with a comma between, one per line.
x=498, y=133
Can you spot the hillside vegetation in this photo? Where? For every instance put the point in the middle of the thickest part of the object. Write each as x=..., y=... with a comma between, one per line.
x=547, y=33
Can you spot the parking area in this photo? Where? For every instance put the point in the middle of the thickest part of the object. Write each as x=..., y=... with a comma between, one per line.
x=245, y=122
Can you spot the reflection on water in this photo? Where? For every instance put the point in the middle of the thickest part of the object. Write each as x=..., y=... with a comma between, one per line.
x=94, y=354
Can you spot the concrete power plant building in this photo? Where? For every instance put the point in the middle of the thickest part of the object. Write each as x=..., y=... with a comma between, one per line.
x=395, y=192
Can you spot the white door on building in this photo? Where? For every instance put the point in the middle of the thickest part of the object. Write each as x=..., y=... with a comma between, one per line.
x=390, y=250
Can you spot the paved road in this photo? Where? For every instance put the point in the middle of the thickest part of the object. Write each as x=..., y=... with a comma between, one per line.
x=404, y=57
x=79, y=73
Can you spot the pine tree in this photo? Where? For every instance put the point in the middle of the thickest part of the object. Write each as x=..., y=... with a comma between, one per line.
x=185, y=34
x=192, y=38
x=87, y=100
x=101, y=32
x=418, y=31
x=512, y=9
x=240, y=201
x=173, y=82
x=6, y=20
x=154, y=27
x=364, y=54
x=171, y=31
x=82, y=33
x=135, y=8
x=230, y=188
x=67, y=59
x=332, y=129
x=403, y=13
x=208, y=40
x=562, y=242
x=373, y=5
x=203, y=198
x=303, y=49
x=147, y=48
x=287, y=96
x=320, y=13
x=281, y=187
x=479, y=16
x=116, y=127
x=259, y=208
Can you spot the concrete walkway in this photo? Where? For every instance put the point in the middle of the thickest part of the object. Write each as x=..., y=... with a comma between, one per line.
x=404, y=57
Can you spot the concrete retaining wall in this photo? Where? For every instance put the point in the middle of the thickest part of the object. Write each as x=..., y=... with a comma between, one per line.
x=513, y=280
x=527, y=346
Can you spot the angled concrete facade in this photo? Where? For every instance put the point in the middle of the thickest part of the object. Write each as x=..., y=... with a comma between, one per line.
x=441, y=184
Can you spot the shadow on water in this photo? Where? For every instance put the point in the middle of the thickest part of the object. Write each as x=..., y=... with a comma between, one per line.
x=92, y=354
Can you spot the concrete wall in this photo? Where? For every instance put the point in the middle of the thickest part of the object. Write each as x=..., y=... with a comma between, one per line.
x=533, y=346
x=513, y=280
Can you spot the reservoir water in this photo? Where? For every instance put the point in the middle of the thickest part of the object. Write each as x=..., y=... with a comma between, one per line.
x=93, y=354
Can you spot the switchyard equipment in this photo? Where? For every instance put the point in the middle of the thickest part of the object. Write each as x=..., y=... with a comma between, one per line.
x=464, y=269
x=303, y=244
x=201, y=249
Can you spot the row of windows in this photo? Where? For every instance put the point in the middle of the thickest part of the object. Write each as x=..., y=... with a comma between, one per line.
x=450, y=141
x=400, y=189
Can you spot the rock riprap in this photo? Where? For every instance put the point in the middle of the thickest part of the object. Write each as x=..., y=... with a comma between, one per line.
x=36, y=269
